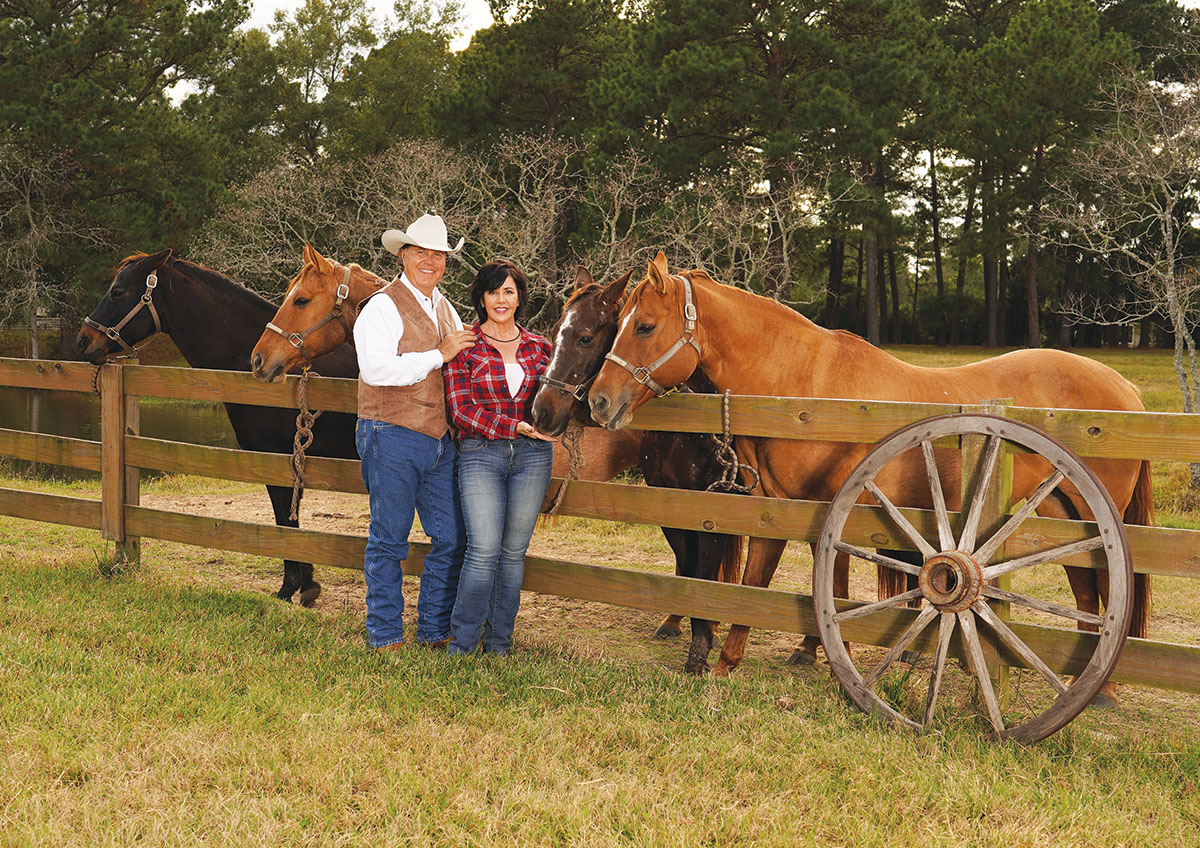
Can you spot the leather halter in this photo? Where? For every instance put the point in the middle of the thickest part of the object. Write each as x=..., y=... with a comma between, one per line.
x=145, y=302
x=578, y=391
x=642, y=373
x=335, y=314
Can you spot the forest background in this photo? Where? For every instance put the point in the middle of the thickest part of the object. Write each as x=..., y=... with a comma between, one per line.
x=917, y=171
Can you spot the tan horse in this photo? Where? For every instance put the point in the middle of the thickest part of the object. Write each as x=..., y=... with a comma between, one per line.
x=754, y=346
x=318, y=314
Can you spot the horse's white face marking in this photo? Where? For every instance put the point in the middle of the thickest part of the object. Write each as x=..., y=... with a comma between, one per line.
x=558, y=340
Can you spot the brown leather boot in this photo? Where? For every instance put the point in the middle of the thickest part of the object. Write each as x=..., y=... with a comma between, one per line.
x=394, y=647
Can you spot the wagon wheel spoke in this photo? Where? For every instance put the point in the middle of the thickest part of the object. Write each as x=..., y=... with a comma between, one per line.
x=1013, y=641
x=975, y=513
x=989, y=548
x=1045, y=606
x=1053, y=555
x=877, y=558
x=945, y=534
x=945, y=631
x=867, y=609
x=979, y=668
x=903, y=523
x=906, y=639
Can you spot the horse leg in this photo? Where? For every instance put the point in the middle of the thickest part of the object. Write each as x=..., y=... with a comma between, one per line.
x=806, y=654
x=762, y=558
x=712, y=551
x=296, y=575
x=1090, y=587
x=893, y=582
x=683, y=544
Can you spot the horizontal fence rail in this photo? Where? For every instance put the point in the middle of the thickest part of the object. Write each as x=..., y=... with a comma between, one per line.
x=1158, y=551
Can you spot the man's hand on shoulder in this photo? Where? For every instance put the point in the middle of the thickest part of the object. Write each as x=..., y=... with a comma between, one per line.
x=456, y=342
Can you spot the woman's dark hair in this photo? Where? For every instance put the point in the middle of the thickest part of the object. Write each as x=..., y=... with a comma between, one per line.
x=491, y=276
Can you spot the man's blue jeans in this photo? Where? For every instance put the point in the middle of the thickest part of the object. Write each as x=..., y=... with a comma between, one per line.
x=502, y=483
x=405, y=471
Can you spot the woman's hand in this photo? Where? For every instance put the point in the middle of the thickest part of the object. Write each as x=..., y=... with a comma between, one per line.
x=526, y=429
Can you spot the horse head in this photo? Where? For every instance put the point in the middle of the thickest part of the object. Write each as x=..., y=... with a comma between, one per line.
x=583, y=334
x=317, y=315
x=126, y=315
x=655, y=349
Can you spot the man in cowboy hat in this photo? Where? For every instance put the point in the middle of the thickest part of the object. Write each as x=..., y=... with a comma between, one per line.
x=404, y=333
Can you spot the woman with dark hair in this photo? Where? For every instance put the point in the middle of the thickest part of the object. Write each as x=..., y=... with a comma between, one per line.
x=503, y=462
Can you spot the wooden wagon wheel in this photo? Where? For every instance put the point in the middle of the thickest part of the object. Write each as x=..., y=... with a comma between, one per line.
x=954, y=587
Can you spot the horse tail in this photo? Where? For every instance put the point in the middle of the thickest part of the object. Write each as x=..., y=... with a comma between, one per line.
x=1141, y=511
x=732, y=548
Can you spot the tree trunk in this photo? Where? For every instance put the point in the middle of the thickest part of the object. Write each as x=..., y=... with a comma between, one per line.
x=833, y=291
x=1031, y=263
x=776, y=277
x=1066, y=287
x=936, y=225
x=988, y=216
x=964, y=240
x=1002, y=295
x=871, y=283
x=896, y=334
x=35, y=351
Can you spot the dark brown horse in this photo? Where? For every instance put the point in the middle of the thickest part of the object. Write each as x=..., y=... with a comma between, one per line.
x=215, y=322
x=672, y=324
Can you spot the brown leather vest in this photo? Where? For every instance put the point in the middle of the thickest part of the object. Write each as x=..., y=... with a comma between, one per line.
x=421, y=406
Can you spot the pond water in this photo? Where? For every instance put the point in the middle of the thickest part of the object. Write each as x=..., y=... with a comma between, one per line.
x=77, y=415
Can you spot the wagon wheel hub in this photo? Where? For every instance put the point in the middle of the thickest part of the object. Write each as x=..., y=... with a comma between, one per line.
x=951, y=580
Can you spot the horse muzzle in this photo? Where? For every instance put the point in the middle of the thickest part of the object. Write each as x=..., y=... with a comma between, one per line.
x=612, y=415
x=93, y=346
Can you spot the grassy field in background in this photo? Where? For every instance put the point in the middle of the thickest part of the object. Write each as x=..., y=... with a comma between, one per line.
x=176, y=703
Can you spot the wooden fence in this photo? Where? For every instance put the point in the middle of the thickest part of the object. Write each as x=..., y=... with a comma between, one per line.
x=122, y=452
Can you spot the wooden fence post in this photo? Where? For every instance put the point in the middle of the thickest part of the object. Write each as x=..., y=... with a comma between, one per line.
x=120, y=485
x=996, y=506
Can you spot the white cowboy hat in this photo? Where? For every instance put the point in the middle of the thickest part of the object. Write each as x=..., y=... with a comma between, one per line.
x=428, y=231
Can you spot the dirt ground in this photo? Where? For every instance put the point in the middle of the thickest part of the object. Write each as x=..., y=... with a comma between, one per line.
x=543, y=620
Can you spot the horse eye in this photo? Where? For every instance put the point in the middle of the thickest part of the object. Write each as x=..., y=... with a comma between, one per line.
x=645, y=329
x=117, y=294
x=301, y=302
x=584, y=341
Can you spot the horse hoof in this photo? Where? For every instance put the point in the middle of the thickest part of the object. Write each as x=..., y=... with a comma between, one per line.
x=721, y=670
x=910, y=657
x=286, y=597
x=1104, y=700
x=309, y=596
x=802, y=657
x=695, y=669
x=665, y=632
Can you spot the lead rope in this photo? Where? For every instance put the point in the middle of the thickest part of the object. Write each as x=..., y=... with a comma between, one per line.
x=303, y=439
x=572, y=440
x=728, y=458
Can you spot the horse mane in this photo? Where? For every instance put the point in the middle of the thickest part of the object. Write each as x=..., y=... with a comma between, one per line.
x=590, y=288
x=204, y=275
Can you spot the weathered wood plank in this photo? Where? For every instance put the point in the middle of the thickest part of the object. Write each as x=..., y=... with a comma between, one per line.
x=339, y=475
x=112, y=456
x=325, y=393
x=54, y=509
x=46, y=374
x=52, y=450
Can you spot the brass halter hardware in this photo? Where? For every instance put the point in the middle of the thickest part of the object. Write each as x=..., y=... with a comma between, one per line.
x=642, y=373
x=145, y=302
x=335, y=314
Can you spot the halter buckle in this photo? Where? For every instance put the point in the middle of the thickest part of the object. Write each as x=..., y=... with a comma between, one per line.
x=151, y=282
x=689, y=311
x=343, y=292
x=296, y=340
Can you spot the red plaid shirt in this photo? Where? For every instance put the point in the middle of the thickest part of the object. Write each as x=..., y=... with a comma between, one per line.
x=477, y=391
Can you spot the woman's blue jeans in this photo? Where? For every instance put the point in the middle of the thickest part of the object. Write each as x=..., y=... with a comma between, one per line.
x=502, y=483
x=405, y=471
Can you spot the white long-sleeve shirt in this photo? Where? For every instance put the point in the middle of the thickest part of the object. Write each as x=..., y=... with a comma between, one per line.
x=377, y=333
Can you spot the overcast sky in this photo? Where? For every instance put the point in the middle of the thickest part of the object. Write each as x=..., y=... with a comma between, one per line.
x=475, y=12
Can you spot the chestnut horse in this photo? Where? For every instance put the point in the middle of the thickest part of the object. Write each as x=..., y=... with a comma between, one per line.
x=214, y=322
x=583, y=335
x=317, y=315
x=672, y=324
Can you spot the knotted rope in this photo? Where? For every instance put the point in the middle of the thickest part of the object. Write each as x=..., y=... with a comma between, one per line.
x=572, y=440
x=303, y=439
x=728, y=459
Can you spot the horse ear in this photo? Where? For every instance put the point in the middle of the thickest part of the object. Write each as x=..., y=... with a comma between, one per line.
x=614, y=291
x=583, y=278
x=657, y=273
x=157, y=259
x=323, y=266
x=307, y=254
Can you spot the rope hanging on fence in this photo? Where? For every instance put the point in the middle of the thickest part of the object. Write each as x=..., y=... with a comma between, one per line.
x=572, y=440
x=729, y=460
x=303, y=439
